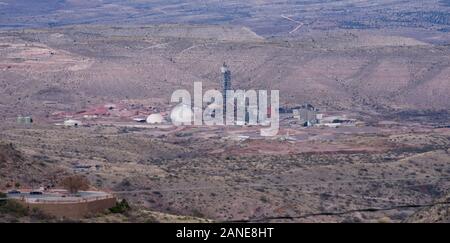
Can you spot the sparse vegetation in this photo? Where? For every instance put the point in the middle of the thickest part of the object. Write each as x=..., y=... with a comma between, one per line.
x=393, y=81
x=14, y=208
x=121, y=207
x=73, y=184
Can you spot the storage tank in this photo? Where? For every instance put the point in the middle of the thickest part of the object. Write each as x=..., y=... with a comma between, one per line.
x=155, y=119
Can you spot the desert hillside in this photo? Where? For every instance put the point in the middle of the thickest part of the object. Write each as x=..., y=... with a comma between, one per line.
x=439, y=213
x=363, y=134
x=50, y=70
x=18, y=170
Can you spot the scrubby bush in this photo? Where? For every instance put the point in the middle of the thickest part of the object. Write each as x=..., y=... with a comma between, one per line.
x=264, y=199
x=14, y=208
x=196, y=213
x=151, y=220
x=75, y=183
x=38, y=214
x=120, y=207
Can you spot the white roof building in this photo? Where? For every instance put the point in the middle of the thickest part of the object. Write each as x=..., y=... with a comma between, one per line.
x=72, y=123
x=155, y=119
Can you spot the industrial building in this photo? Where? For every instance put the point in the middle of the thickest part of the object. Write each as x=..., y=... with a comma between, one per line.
x=24, y=120
x=226, y=85
x=307, y=115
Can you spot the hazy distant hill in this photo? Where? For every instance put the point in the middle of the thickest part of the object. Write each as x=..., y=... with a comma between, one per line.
x=71, y=67
x=264, y=17
x=376, y=55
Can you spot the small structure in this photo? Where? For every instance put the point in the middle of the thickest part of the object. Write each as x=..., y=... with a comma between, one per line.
x=110, y=106
x=338, y=121
x=307, y=115
x=140, y=120
x=72, y=123
x=81, y=168
x=60, y=203
x=237, y=138
x=90, y=116
x=24, y=120
x=319, y=117
x=155, y=119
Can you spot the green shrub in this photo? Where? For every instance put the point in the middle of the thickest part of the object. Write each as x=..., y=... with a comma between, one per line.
x=264, y=199
x=39, y=215
x=120, y=207
x=14, y=208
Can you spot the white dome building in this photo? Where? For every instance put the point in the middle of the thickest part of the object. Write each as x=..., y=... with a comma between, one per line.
x=181, y=114
x=72, y=123
x=155, y=119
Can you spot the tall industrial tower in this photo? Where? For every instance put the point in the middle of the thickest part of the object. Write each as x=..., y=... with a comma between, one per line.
x=226, y=85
